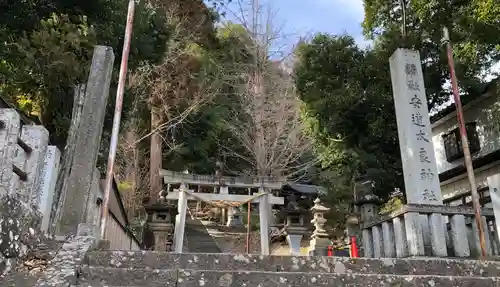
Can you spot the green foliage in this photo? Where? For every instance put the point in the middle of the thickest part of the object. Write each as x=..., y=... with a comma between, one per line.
x=391, y=205
x=472, y=29
x=46, y=47
x=347, y=90
x=349, y=111
x=50, y=60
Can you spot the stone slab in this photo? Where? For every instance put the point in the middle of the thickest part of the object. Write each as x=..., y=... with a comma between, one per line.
x=92, y=276
x=87, y=133
x=47, y=185
x=191, y=278
x=274, y=279
x=414, y=129
x=338, y=265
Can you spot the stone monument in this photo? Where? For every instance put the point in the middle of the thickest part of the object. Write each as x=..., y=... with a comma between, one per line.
x=75, y=180
x=417, y=152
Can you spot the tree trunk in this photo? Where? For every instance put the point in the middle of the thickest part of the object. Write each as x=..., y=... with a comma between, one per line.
x=155, y=160
x=131, y=171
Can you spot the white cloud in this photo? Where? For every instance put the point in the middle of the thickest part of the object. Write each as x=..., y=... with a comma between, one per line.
x=352, y=7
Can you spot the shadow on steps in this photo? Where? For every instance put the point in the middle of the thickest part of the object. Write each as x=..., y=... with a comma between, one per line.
x=197, y=238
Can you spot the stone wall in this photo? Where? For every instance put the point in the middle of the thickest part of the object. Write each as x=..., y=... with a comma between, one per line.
x=22, y=156
x=37, y=197
x=19, y=231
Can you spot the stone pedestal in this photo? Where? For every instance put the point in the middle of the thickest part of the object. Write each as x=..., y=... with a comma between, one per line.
x=160, y=224
x=295, y=230
x=234, y=217
x=319, y=247
x=294, y=241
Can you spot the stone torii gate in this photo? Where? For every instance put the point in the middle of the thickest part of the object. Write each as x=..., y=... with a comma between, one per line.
x=183, y=194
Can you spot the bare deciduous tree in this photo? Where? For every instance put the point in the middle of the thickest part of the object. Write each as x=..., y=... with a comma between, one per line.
x=180, y=84
x=268, y=122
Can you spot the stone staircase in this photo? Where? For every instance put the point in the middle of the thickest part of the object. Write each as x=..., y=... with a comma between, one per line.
x=197, y=239
x=154, y=269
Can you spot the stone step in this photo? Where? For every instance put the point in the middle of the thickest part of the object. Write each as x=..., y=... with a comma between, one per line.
x=340, y=265
x=99, y=276
x=198, y=239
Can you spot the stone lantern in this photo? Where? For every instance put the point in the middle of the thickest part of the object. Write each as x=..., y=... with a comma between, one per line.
x=295, y=225
x=234, y=217
x=160, y=223
x=319, y=239
x=366, y=203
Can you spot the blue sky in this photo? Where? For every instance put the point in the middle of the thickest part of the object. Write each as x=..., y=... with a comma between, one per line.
x=305, y=17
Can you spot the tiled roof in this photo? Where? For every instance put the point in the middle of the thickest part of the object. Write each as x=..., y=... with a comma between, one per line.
x=305, y=188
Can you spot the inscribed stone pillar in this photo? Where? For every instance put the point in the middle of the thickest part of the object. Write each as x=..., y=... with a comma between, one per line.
x=87, y=132
x=47, y=185
x=414, y=129
x=415, y=137
x=10, y=125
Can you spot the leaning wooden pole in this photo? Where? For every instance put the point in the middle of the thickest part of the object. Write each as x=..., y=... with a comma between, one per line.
x=117, y=115
x=465, y=144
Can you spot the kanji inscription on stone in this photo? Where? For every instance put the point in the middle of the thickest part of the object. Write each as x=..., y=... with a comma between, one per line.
x=417, y=119
x=424, y=158
x=421, y=136
x=414, y=129
x=429, y=195
x=413, y=85
x=410, y=69
x=426, y=174
x=416, y=102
